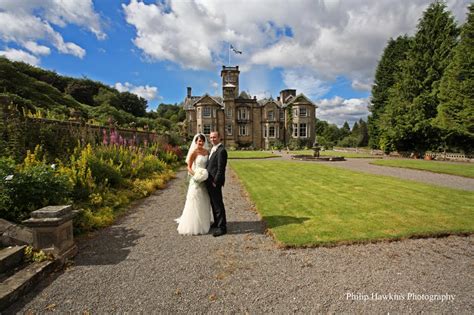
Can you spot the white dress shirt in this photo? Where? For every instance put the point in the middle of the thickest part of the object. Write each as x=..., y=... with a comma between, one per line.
x=214, y=149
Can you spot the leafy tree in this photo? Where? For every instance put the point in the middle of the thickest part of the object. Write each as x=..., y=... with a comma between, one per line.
x=83, y=91
x=174, y=112
x=345, y=130
x=130, y=103
x=407, y=119
x=362, y=133
x=385, y=77
x=105, y=96
x=456, y=109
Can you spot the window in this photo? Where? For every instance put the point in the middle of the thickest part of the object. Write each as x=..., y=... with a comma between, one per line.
x=302, y=130
x=270, y=115
x=295, y=130
x=228, y=129
x=282, y=114
x=228, y=112
x=271, y=131
x=243, y=113
x=303, y=112
x=206, y=112
x=295, y=112
x=243, y=130
x=207, y=129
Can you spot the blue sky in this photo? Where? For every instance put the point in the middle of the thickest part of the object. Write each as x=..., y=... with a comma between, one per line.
x=326, y=49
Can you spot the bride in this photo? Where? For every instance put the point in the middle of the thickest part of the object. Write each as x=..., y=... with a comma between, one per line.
x=196, y=216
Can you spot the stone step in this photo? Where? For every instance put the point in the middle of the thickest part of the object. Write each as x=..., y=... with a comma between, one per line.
x=23, y=281
x=11, y=257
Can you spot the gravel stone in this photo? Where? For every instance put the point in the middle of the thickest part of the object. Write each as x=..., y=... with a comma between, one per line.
x=141, y=264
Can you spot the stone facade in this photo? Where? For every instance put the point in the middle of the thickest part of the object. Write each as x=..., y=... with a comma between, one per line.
x=243, y=121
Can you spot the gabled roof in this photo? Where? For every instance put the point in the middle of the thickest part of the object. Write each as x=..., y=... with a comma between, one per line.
x=298, y=97
x=190, y=102
x=266, y=101
x=244, y=95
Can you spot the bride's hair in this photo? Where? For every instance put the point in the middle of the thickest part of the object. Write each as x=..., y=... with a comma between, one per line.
x=200, y=136
x=193, y=145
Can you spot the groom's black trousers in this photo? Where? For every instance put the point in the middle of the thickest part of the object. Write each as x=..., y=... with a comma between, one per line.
x=217, y=203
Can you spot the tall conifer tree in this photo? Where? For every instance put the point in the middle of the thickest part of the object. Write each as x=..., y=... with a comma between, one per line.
x=385, y=77
x=456, y=108
x=413, y=100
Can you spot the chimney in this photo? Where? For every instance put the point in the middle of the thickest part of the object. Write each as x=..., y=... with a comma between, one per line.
x=285, y=93
x=189, y=92
x=278, y=98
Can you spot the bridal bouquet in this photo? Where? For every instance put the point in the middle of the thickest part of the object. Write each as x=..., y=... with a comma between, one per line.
x=200, y=175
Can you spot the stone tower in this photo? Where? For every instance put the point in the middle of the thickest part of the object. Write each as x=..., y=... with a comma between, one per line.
x=230, y=81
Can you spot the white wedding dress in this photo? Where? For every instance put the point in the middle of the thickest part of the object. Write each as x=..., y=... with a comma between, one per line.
x=196, y=216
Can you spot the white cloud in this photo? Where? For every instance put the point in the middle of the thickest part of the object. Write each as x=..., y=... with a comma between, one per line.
x=147, y=92
x=26, y=23
x=20, y=55
x=328, y=38
x=361, y=86
x=305, y=83
x=37, y=49
x=338, y=110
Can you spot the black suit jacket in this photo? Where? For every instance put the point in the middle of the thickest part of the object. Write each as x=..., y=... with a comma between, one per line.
x=216, y=166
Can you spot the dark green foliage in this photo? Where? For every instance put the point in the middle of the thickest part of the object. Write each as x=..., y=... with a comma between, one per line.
x=299, y=143
x=49, y=77
x=104, y=172
x=358, y=136
x=62, y=95
x=29, y=90
x=130, y=103
x=83, y=91
x=386, y=73
x=406, y=122
x=26, y=192
x=456, y=107
x=174, y=113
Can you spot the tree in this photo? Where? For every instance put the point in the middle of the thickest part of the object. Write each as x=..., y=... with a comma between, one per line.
x=363, y=134
x=385, y=77
x=130, y=103
x=412, y=104
x=456, y=109
x=83, y=91
x=345, y=130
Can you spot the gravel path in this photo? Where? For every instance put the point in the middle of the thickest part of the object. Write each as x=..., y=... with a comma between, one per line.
x=141, y=264
x=363, y=165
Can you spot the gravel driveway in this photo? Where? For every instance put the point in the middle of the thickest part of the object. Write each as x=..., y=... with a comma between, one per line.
x=363, y=165
x=141, y=264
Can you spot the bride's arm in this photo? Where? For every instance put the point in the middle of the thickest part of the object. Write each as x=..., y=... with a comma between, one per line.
x=190, y=163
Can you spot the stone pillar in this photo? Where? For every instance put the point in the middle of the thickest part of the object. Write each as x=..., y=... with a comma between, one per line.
x=52, y=231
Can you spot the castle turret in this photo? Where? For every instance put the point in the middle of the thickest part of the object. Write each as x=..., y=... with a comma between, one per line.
x=230, y=81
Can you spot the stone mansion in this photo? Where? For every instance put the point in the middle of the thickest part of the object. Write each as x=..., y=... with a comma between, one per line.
x=243, y=121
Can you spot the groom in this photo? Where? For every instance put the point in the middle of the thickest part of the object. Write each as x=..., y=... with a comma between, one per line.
x=216, y=169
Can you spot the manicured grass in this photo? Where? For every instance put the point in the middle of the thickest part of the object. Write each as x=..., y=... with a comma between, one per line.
x=311, y=204
x=336, y=153
x=466, y=169
x=249, y=155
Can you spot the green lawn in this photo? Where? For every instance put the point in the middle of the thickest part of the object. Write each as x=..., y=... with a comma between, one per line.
x=311, y=204
x=336, y=153
x=465, y=169
x=249, y=155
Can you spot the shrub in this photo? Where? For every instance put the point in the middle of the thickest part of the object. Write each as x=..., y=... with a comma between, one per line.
x=149, y=165
x=32, y=188
x=104, y=172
